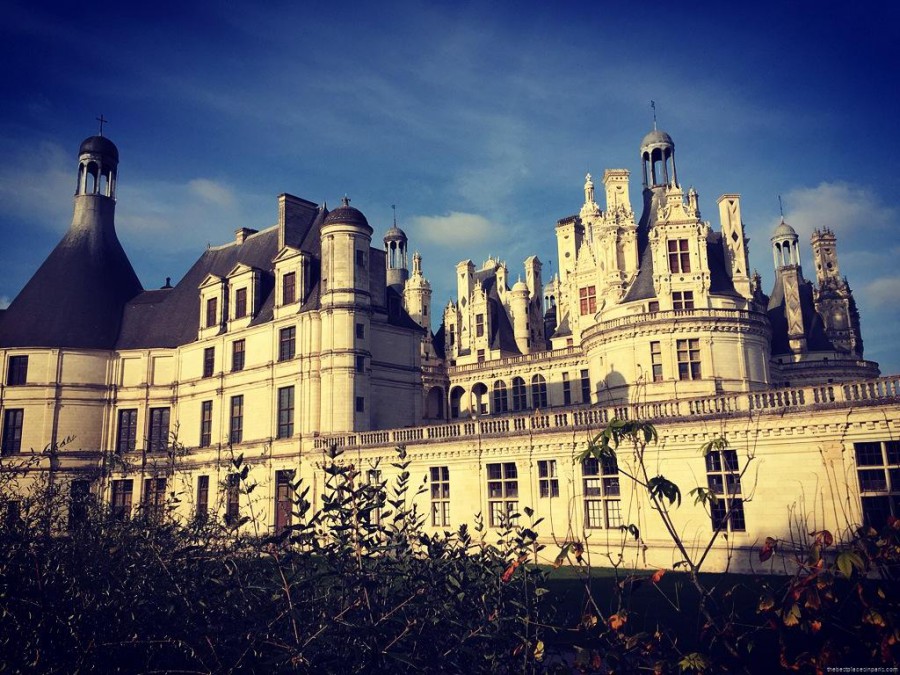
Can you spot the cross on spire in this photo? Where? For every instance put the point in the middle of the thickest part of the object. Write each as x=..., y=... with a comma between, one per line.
x=653, y=105
x=102, y=121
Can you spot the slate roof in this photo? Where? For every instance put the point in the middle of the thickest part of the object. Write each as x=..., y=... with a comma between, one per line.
x=76, y=297
x=813, y=327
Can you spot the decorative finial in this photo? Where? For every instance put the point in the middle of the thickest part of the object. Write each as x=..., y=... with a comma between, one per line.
x=394, y=209
x=102, y=121
x=781, y=208
x=653, y=105
x=345, y=200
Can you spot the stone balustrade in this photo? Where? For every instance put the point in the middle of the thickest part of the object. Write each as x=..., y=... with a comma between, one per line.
x=881, y=390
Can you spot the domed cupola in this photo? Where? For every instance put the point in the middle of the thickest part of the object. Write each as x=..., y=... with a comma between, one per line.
x=784, y=246
x=658, y=159
x=98, y=161
x=347, y=215
x=396, y=246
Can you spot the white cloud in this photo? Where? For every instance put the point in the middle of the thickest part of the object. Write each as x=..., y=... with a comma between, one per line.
x=37, y=183
x=4, y=302
x=845, y=208
x=455, y=228
x=883, y=292
x=213, y=192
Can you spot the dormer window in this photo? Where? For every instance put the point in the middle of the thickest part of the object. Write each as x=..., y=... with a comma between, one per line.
x=679, y=258
x=243, y=285
x=212, y=312
x=240, y=303
x=289, y=288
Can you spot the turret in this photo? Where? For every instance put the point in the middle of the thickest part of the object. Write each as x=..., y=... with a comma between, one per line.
x=417, y=295
x=395, y=249
x=733, y=240
x=788, y=279
x=77, y=297
x=518, y=305
x=345, y=296
x=658, y=160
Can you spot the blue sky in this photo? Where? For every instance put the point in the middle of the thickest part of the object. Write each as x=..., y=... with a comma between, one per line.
x=478, y=120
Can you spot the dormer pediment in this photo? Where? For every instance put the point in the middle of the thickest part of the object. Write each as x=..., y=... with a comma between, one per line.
x=211, y=280
x=240, y=269
x=286, y=253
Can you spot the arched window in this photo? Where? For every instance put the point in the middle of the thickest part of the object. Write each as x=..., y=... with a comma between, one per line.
x=539, y=391
x=455, y=399
x=480, y=399
x=501, y=400
x=519, y=397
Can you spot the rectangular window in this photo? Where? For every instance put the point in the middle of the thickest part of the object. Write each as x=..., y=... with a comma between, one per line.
x=285, y=412
x=656, y=361
x=585, y=386
x=360, y=331
x=240, y=303
x=360, y=404
x=237, y=355
x=682, y=300
x=202, y=506
x=17, y=370
x=206, y=424
x=287, y=343
x=653, y=306
x=452, y=335
x=688, y=359
x=126, y=434
x=284, y=499
x=480, y=355
x=567, y=389
x=373, y=480
x=679, y=258
x=588, y=298
x=158, y=438
x=361, y=258
x=13, y=419
x=79, y=502
x=479, y=325
x=209, y=361
x=154, y=498
x=212, y=310
x=232, y=498
x=602, y=503
x=288, y=288
x=120, y=503
x=360, y=364
x=503, y=492
x=519, y=395
x=440, y=496
x=878, y=470
x=548, y=481
x=539, y=392
x=723, y=477
x=236, y=421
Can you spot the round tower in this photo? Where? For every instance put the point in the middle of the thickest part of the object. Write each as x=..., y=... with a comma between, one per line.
x=395, y=250
x=518, y=303
x=417, y=295
x=346, y=305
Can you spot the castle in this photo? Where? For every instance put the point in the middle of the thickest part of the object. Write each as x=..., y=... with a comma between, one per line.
x=289, y=340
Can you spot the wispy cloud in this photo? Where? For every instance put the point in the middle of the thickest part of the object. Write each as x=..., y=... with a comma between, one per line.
x=455, y=229
x=4, y=302
x=883, y=291
x=37, y=182
x=845, y=208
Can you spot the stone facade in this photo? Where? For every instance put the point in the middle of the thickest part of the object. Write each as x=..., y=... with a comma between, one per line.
x=294, y=338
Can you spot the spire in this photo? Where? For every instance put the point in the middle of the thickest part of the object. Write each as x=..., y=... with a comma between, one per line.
x=653, y=105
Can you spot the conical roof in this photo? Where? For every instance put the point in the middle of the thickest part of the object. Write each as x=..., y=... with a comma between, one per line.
x=76, y=298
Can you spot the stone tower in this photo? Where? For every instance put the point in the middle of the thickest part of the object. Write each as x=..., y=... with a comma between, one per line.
x=833, y=297
x=346, y=317
x=789, y=276
x=395, y=250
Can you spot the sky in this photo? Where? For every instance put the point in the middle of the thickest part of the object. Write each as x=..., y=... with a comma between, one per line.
x=478, y=120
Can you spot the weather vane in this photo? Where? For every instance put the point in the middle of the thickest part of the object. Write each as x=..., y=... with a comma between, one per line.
x=394, y=209
x=102, y=121
x=781, y=208
x=653, y=105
